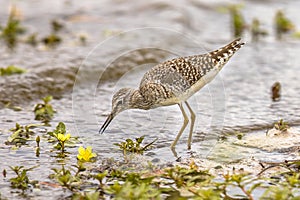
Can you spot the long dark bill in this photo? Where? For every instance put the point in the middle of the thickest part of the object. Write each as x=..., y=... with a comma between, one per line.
x=106, y=123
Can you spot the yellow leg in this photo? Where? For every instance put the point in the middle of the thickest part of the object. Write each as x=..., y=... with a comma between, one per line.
x=193, y=117
x=185, y=122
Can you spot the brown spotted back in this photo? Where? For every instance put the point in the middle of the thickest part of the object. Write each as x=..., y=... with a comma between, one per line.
x=174, y=77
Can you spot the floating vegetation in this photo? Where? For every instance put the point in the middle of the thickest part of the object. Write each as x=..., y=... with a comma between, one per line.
x=239, y=135
x=38, y=140
x=281, y=125
x=275, y=91
x=56, y=26
x=82, y=39
x=52, y=40
x=183, y=177
x=44, y=111
x=14, y=108
x=60, y=136
x=32, y=40
x=139, y=189
x=256, y=30
x=134, y=146
x=177, y=182
x=12, y=30
x=37, y=149
x=21, y=181
x=20, y=135
x=10, y=70
x=65, y=178
x=238, y=24
x=282, y=24
x=296, y=34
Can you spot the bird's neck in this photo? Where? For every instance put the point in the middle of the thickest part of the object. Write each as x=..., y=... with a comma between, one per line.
x=137, y=101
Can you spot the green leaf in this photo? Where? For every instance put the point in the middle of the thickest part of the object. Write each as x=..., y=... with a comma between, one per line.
x=10, y=70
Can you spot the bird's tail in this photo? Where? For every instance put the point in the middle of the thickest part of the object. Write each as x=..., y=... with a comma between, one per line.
x=224, y=53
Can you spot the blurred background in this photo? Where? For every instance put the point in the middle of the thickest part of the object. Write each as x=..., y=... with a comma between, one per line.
x=41, y=36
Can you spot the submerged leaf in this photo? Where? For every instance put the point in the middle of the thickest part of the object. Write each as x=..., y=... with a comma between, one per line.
x=10, y=70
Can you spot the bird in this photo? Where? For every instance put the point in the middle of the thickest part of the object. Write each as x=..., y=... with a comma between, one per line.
x=173, y=82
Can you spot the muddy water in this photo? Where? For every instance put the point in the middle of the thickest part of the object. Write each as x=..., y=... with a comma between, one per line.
x=121, y=46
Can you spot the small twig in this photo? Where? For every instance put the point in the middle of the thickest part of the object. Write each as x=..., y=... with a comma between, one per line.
x=145, y=147
x=285, y=164
x=275, y=165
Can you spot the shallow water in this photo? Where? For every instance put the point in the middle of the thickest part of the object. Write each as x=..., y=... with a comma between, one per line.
x=237, y=100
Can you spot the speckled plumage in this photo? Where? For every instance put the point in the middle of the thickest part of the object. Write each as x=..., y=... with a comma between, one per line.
x=173, y=82
x=172, y=78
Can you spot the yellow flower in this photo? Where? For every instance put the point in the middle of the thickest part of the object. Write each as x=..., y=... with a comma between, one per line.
x=62, y=137
x=85, y=154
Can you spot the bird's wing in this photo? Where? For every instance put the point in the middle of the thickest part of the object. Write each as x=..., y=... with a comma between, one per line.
x=163, y=82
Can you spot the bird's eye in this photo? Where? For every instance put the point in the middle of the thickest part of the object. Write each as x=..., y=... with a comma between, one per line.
x=119, y=102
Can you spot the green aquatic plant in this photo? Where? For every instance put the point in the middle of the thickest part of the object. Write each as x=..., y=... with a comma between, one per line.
x=282, y=24
x=38, y=140
x=133, y=177
x=4, y=173
x=61, y=137
x=128, y=190
x=12, y=30
x=134, y=146
x=65, y=178
x=238, y=24
x=52, y=40
x=37, y=149
x=239, y=135
x=281, y=125
x=32, y=39
x=275, y=91
x=286, y=188
x=82, y=39
x=296, y=35
x=13, y=107
x=256, y=30
x=247, y=184
x=74, y=183
x=10, y=70
x=80, y=167
x=284, y=184
x=21, y=181
x=56, y=26
x=90, y=195
x=100, y=177
x=206, y=194
x=20, y=134
x=132, y=186
x=186, y=177
x=44, y=111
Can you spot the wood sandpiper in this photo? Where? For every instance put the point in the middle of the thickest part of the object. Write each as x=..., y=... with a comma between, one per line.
x=173, y=82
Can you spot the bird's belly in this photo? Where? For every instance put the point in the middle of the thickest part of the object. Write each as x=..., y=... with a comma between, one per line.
x=204, y=80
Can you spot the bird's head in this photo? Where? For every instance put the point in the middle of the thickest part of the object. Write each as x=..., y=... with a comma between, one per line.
x=120, y=102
